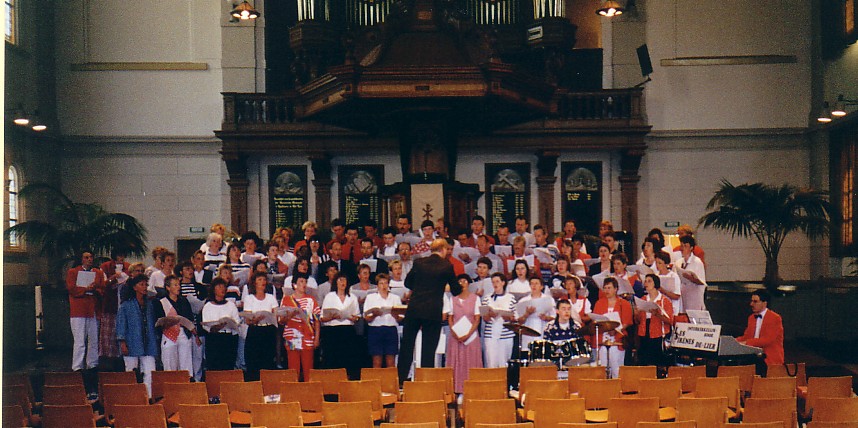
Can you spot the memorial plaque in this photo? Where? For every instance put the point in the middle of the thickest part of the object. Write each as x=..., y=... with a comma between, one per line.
x=582, y=195
x=287, y=196
x=507, y=194
x=360, y=199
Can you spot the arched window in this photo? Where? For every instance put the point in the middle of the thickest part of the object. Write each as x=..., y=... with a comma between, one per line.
x=12, y=183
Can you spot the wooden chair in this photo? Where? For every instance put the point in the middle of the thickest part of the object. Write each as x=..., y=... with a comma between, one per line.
x=827, y=387
x=667, y=391
x=584, y=372
x=329, y=378
x=159, y=378
x=354, y=414
x=683, y=424
x=556, y=389
x=746, y=375
x=411, y=412
x=707, y=412
x=215, y=377
x=527, y=374
x=17, y=395
x=627, y=412
x=127, y=394
x=389, y=378
x=481, y=390
x=310, y=396
x=771, y=410
x=688, y=374
x=728, y=387
x=550, y=413
x=796, y=370
x=590, y=425
x=836, y=409
x=630, y=377
x=64, y=395
x=424, y=391
x=78, y=416
x=142, y=416
x=777, y=424
x=21, y=378
x=271, y=379
x=114, y=378
x=276, y=415
x=63, y=378
x=814, y=424
x=238, y=397
x=410, y=425
x=176, y=394
x=515, y=425
x=774, y=387
x=13, y=417
x=364, y=390
x=422, y=374
x=490, y=412
x=204, y=416
x=484, y=373
x=597, y=395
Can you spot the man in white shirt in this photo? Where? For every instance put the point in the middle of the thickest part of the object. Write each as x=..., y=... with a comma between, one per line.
x=521, y=227
x=692, y=276
x=403, y=225
x=389, y=247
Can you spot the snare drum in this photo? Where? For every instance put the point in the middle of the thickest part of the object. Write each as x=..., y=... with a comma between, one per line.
x=575, y=352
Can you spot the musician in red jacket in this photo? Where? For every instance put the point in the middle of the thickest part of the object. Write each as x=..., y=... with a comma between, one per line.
x=765, y=329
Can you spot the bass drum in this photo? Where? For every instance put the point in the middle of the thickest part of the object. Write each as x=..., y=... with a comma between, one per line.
x=576, y=352
x=513, y=370
x=541, y=350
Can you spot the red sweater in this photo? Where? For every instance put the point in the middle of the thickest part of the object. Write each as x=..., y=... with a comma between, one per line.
x=81, y=304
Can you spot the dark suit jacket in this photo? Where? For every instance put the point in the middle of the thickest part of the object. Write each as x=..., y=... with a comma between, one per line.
x=427, y=281
x=380, y=267
x=346, y=267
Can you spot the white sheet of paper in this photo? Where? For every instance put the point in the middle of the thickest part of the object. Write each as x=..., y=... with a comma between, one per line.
x=472, y=252
x=372, y=263
x=484, y=310
x=184, y=322
x=542, y=305
x=503, y=251
x=644, y=305
x=462, y=327
x=84, y=278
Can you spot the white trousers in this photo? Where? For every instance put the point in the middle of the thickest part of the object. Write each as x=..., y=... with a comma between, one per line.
x=146, y=364
x=197, y=354
x=498, y=352
x=177, y=355
x=612, y=358
x=85, y=333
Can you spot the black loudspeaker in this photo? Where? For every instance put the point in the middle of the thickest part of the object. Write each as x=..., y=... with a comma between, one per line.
x=644, y=61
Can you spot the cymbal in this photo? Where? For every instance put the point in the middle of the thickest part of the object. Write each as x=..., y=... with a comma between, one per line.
x=521, y=329
x=607, y=325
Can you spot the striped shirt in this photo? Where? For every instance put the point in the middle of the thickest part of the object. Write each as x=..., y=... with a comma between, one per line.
x=494, y=327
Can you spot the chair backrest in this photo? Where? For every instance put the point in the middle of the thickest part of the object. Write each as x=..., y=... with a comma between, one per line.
x=815, y=424
x=630, y=377
x=410, y=425
x=683, y=424
x=776, y=424
x=771, y=410
x=424, y=391
x=13, y=417
x=550, y=413
x=129, y=394
x=597, y=393
x=828, y=387
x=159, y=378
x=63, y=378
x=490, y=412
x=388, y=376
x=556, y=389
x=328, y=377
x=204, y=416
x=238, y=396
x=20, y=378
x=361, y=390
x=487, y=373
x=796, y=370
x=589, y=425
x=584, y=372
x=513, y=425
x=836, y=409
x=309, y=395
x=666, y=390
x=774, y=387
x=482, y=390
x=535, y=373
x=183, y=393
x=276, y=415
x=215, y=377
x=114, y=378
x=688, y=374
x=707, y=412
x=78, y=416
x=141, y=416
x=710, y=387
x=17, y=395
x=64, y=395
x=271, y=379
x=421, y=412
x=436, y=373
x=355, y=414
x=745, y=373
x=627, y=412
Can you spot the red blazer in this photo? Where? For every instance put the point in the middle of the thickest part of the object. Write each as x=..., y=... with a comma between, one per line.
x=109, y=302
x=626, y=317
x=81, y=304
x=771, y=337
x=657, y=327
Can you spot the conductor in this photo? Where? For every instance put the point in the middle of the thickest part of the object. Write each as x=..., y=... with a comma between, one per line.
x=427, y=281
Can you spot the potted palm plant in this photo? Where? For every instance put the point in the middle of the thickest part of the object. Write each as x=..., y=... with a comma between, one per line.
x=768, y=213
x=74, y=227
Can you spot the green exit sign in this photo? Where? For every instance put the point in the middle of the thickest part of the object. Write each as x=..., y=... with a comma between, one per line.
x=198, y=229
x=671, y=224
